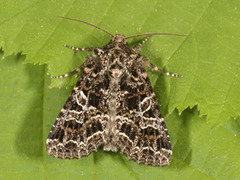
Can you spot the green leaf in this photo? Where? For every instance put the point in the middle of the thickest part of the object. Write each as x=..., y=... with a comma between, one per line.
x=208, y=58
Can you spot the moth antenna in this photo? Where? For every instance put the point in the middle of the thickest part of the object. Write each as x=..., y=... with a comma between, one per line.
x=150, y=34
x=86, y=23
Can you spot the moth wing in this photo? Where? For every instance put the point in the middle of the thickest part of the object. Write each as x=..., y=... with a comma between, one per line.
x=143, y=136
x=78, y=129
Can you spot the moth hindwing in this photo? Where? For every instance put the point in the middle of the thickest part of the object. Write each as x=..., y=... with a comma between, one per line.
x=112, y=105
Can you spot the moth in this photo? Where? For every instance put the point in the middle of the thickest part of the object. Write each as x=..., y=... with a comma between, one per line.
x=112, y=105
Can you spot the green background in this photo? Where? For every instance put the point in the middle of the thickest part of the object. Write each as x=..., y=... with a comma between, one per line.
x=201, y=109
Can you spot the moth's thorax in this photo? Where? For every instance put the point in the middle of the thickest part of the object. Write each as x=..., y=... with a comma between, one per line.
x=116, y=58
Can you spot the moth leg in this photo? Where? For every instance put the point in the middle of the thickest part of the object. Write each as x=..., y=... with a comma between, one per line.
x=146, y=62
x=167, y=73
x=139, y=45
x=80, y=49
x=80, y=68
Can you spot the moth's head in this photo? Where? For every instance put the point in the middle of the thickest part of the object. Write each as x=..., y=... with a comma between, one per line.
x=119, y=38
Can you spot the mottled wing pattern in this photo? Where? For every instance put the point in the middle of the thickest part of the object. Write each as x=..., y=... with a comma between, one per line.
x=143, y=135
x=79, y=127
